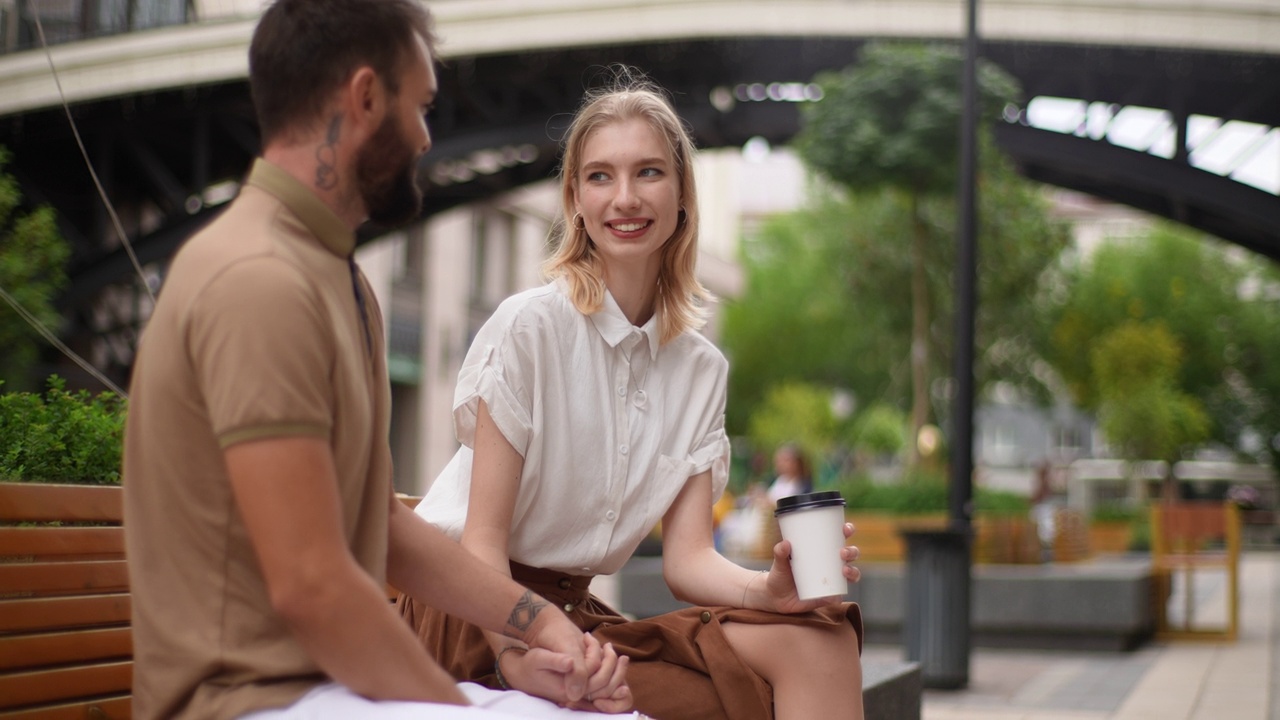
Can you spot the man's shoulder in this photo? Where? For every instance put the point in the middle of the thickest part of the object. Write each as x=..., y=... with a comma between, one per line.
x=246, y=236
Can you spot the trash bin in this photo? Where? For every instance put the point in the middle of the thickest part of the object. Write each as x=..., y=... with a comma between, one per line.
x=936, y=622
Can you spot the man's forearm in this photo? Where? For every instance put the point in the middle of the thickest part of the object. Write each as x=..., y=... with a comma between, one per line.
x=428, y=565
x=371, y=650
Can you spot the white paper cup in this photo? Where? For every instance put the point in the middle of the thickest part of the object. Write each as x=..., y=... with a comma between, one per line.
x=813, y=523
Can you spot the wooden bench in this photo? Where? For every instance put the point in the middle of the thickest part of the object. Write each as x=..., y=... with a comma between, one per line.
x=1187, y=537
x=65, y=643
x=66, y=646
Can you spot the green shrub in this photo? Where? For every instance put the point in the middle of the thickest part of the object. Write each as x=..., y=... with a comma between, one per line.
x=916, y=495
x=923, y=492
x=1003, y=503
x=61, y=436
x=1140, y=534
x=1116, y=512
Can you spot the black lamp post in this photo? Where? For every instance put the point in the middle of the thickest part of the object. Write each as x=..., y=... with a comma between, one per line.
x=939, y=562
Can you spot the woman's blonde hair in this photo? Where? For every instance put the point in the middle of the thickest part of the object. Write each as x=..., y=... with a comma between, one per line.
x=681, y=297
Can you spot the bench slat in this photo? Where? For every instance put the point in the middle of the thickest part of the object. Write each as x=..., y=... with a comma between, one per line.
x=56, y=648
x=63, y=578
x=42, y=686
x=75, y=503
x=38, y=543
x=50, y=613
x=115, y=707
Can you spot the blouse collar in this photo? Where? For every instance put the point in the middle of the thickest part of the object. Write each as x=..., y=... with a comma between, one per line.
x=614, y=326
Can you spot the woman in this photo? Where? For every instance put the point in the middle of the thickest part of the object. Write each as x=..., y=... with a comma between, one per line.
x=590, y=409
x=792, y=473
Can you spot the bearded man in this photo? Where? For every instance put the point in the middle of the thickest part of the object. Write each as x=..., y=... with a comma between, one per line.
x=261, y=523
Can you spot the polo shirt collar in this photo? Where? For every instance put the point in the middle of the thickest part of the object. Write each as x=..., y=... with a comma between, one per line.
x=302, y=202
x=614, y=326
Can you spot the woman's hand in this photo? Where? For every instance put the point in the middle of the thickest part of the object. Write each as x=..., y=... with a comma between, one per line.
x=607, y=689
x=545, y=674
x=781, y=584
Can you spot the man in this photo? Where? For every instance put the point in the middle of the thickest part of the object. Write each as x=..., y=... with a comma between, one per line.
x=261, y=525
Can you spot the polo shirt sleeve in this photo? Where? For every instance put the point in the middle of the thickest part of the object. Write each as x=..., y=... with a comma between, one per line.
x=494, y=371
x=262, y=353
x=711, y=445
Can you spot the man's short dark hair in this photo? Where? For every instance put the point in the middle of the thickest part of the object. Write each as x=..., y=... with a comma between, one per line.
x=302, y=50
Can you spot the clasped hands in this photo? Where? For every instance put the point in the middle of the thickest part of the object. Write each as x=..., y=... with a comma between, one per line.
x=589, y=676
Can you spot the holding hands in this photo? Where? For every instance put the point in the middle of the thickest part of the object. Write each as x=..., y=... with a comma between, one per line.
x=582, y=675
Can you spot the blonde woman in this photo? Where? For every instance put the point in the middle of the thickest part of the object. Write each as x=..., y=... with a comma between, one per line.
x=589, y=410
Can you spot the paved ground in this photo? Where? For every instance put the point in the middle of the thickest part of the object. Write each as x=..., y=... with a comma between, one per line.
x=1161, y=681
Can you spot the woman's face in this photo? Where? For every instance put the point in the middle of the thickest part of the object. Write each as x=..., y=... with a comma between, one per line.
x=786, y=463
x=628, y=193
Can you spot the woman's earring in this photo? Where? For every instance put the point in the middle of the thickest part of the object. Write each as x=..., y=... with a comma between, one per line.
x=577, y=222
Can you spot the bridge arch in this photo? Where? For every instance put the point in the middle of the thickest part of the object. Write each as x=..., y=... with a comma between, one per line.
x=169, y=124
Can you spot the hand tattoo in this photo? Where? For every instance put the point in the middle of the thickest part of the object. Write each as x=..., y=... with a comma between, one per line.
x=522, y=615
x=327, y=156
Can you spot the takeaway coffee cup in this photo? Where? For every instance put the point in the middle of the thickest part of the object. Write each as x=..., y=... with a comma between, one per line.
x=813, y=523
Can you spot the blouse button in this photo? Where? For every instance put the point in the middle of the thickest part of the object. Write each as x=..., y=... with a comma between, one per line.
x=706, y=617
x=623, y=449
x=622, y=390
x=564, y=583
x=610, y=515
x=568, y=607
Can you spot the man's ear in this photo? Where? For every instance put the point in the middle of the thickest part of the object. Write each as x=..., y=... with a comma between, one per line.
x=366, y=99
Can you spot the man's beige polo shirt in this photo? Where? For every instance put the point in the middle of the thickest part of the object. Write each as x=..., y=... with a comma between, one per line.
x=257, y=334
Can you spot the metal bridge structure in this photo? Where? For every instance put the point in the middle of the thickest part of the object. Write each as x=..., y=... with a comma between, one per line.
x=159, y=92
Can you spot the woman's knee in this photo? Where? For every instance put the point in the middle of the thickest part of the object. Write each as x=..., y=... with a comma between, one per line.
x=771, y=648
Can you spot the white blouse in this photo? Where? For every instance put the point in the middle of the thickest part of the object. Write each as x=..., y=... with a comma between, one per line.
x=610, y=427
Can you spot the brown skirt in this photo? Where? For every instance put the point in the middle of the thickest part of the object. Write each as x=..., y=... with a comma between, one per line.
x=682, y=666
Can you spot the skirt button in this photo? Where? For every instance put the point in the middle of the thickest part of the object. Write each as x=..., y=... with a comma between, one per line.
x=568, y=607
x=706, y=616
x=565, y=583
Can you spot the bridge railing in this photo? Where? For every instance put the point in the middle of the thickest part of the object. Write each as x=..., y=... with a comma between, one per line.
x=66, y=21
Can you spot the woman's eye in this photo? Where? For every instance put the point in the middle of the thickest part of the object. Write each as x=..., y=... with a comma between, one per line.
x=597, y=177
x=650, y=172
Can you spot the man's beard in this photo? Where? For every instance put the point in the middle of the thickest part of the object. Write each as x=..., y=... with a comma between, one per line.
x=386, y=175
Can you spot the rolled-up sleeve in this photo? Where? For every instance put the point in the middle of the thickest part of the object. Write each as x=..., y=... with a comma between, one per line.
x=710, y=449
x=713, y=454
x=489, y=374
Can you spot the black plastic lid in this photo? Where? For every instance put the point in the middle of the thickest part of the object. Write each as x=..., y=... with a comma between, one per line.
x=826, y=498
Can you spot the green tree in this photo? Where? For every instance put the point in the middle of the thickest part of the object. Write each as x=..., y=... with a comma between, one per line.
x=828, y=297
x=1257, y=345
x=1253, y=369
x=796, y=320
x=795, y=413
x=1141, y=410
x=880, y=430
x=891, y=122
x=1189, y=284
x=1257, y=361
x=33, y=256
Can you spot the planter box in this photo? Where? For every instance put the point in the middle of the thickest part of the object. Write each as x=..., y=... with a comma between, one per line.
x=1110, y=536
x=1007, y=540
x=997, y=539
x=1104, y=604
x=879, y=535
